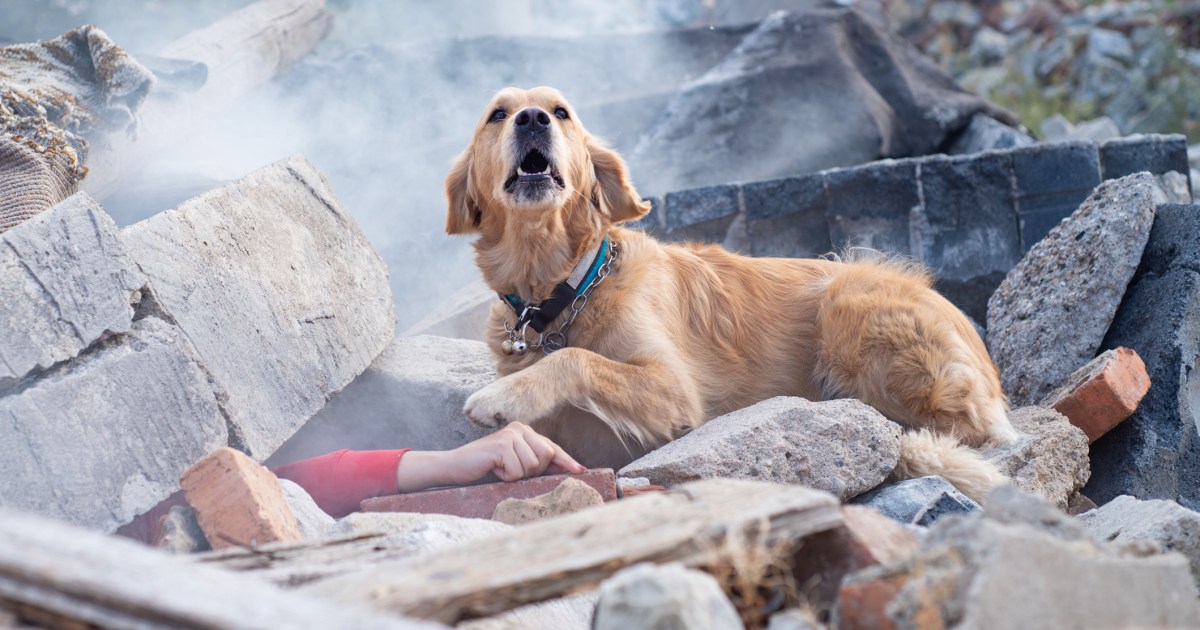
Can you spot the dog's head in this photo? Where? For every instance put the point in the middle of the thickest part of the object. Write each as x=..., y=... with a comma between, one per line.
x=530, y=154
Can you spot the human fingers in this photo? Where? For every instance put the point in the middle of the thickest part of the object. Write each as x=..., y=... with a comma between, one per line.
x=508, y=465
x=531, y=463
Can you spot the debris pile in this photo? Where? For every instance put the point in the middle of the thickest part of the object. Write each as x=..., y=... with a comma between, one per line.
x=148, y=372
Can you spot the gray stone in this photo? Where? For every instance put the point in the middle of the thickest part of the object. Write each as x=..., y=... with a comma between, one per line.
x=988, y=134
x=571, y=495
x=1009, y=504
x=280, y=292
x=1051, y=181
x=984, y=572
x=648, y=596
x=1050, y=460
x=841, y=446
x=918, y=501
x=105, y=437
x=1175, y=187
x=698, y=205
x=412, y=396
x=418, y=533
x=631, y=482
x=64, y=284
x=311, y=520
x=1048, y=317
x=786, y=217
x=869, y=205
x=1154, y=153
x=181, y=532
x=965, y=230
x=1125, y=518
x=1107, y=43
x=1155, y=453
x=795, y=619
x=462, y=315
x=1097, y=129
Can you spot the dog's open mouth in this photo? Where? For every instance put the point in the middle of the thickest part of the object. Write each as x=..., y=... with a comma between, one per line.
x=534, y=171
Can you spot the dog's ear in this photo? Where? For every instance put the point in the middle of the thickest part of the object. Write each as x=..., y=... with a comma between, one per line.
x=616, y=194
x=462, y=213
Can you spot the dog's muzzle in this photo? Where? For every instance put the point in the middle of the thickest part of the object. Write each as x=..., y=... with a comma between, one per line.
x=535, y=175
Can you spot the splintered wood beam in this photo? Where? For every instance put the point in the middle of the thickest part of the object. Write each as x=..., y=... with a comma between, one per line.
x=240, y=52
x=698, y=524
x=60, y=575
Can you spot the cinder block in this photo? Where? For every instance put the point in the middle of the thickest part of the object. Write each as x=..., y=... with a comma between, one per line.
x=1051, y=181
x=481, y=501
x=64, y=284
x=869, y=205
x=699, y=205
x=1155, y=153
x=1102, y=393
x=786, y=217
x=238, y=502
x=967, y=228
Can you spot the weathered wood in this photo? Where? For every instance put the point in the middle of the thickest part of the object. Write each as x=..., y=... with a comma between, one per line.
x=241, y=51
x=61, y=575
x=575, y=552
x=292, y=564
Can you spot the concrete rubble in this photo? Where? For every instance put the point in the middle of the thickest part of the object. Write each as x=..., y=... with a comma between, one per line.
x=1050, y=457
x=918, y=501
x=649, y=596
x=1170, y=525
x=842, y=446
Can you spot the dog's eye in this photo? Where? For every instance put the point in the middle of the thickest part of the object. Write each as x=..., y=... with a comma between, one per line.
x=561, y=113
x=498, y=115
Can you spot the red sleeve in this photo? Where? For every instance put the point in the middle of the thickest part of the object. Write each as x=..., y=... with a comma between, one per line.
x=339, y=481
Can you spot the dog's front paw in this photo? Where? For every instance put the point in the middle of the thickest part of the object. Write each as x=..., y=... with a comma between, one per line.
x=492, y=407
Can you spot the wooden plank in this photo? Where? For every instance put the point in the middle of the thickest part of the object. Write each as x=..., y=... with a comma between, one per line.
x=241, y=51
x=60, y=575
x=292, y=564
x=559, y=556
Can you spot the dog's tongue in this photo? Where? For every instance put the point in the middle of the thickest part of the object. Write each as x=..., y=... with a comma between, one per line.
x=534, y=163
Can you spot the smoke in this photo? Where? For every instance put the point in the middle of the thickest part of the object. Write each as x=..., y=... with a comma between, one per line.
x=387, y=101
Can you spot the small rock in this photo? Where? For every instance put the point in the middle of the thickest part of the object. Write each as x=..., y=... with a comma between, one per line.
x=865, y=538
x=571, y=495
x=918, y=501
x=418, y=532
x=625, y=483
x=840, y=446
x=1125, y=518
x=1050, y=313
x=567, y=613
x=1112, y=44
x=480, y=501
x=311, y=520
x=1101, y=394
x=647, y=596
x=795, y=619
x=1057, y=129
x=1174, y=187
x=181, y=532
x=985, y=133
x=1050, y=460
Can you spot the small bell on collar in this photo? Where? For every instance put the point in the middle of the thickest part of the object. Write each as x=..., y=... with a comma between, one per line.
x=506, y=346
x=519, y=347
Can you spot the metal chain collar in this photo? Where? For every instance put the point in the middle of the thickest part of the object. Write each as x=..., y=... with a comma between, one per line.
x=557, y=339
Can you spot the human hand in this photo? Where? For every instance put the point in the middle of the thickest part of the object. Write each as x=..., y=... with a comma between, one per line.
x=513, y=452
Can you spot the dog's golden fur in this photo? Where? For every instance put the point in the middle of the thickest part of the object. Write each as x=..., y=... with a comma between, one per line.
x=679, y=334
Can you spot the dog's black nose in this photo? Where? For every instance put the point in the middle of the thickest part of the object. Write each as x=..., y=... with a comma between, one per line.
x=532, y=119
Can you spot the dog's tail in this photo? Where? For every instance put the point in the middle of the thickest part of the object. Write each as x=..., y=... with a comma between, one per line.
x=924, y=453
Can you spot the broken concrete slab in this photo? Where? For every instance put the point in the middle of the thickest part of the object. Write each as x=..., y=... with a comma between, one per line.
x=411, y=396
x=918, y=501
x=462, y=315
x=1125, y=518
x=1049, y=315
x=647, y=596
x=65, y=283
x=1101, y=394
x=969, y=572
x=101, y=439
x=1155, y=453
x=277, y=288
x=417, y=533
x=571, y=495
x=840, y=446
x=1049, y=460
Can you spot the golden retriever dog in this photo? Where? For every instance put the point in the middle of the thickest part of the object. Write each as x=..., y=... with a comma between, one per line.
x=666, y=337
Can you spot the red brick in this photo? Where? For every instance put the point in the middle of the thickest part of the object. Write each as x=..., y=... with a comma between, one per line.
x=863, y=605
x=481, y=501
x=238, y=502
x=1103, y=393
x=865, y=538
